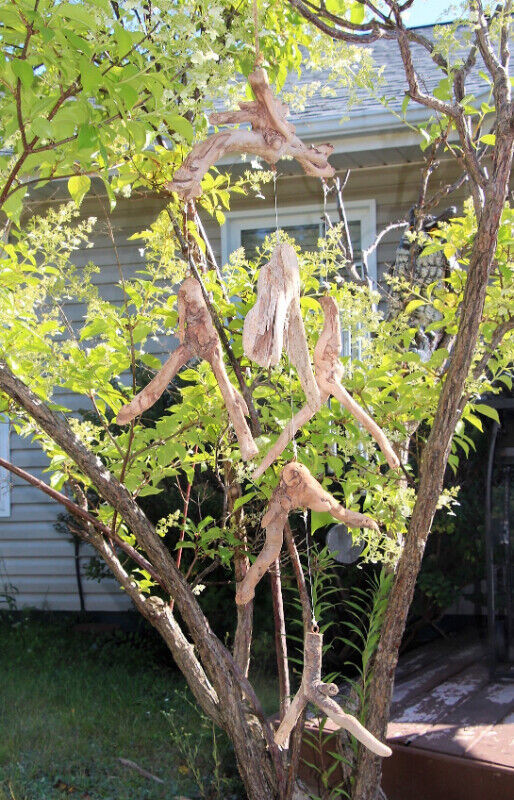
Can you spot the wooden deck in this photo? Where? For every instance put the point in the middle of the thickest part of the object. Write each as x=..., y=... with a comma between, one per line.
x=451, y=729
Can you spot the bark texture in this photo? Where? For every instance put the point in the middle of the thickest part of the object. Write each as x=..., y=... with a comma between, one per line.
x=433, y=464
x=258, y=758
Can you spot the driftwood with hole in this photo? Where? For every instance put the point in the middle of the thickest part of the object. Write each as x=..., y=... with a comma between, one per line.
x=270, y=137
x=297, y=488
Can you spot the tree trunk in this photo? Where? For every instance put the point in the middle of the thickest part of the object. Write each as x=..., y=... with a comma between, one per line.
x=433, y=465
x=257, y=755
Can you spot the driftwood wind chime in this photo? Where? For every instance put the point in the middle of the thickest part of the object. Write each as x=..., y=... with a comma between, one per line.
x=273, y=324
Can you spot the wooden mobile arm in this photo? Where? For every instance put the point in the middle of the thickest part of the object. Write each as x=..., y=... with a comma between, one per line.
x=329, y=373
x=197, y=337
x=297, y=488
x=313, y=689
x=271, y=137
x=276, y=321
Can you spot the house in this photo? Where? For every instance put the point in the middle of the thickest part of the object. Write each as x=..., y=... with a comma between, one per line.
x=37, y=563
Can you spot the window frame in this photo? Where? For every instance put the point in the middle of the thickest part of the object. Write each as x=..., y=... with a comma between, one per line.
x=363, y=211
x=5, y=478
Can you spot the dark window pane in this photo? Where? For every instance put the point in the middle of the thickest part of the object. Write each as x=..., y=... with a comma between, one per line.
x=306, y=236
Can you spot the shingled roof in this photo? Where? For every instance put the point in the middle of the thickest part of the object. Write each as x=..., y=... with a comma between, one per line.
x=386, y=54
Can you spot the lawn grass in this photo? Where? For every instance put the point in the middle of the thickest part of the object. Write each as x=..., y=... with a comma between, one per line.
x=73, y=703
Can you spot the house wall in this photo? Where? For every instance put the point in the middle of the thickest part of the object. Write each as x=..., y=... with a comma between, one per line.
x=34, y=557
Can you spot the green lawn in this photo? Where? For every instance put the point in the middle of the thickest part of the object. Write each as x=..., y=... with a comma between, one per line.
x=73, y=703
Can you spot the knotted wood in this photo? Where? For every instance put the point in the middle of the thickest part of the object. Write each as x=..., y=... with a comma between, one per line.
x=271, y=137
x=312, y=689
x=275, y=321
x=197, y=337
x=329, y=373
x=297, y=488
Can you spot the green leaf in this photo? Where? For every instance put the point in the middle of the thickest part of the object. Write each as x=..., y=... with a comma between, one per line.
x=41, y=127
x=487, y=411
x=181, y=125
x=87, y=138
x=13, y=206
x=414, y=304
x=123, y=38
x=488, y=138
x=240, y=501
x=78, y=186
x=90, y=76
x=78, y=13
x=319, y=519
x=357, y=13
x=23, y=71
x=129, y=95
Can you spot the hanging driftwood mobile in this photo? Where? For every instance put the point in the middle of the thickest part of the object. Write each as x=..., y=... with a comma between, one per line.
x=312, y=689
x=276, y=320
x=197, y=337
x=328, y=377
x=296, y=489
x=271, y=137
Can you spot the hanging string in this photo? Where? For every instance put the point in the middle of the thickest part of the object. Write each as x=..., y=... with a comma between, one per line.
x=186, y=234
x=314, y=621
x=324, y=276
x=258, y=56
x=275, y=195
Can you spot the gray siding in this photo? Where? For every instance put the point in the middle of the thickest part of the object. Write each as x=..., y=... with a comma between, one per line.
x=34, y=557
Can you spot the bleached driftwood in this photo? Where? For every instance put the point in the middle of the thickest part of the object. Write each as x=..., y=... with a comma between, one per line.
x=329, y=372
x=296, y=489
x=271, y=137
x=312, y=689
x=197, y=337
x=276, y=320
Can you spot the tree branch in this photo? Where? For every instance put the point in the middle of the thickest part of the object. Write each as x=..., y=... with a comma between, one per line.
x=79, y=512
x=256, y=426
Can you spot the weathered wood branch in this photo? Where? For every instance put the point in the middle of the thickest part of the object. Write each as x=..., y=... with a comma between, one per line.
x=197, y=337
x=313, y=689
x=271, y=137
x=329, y=373
x=234, y=363
x=276, y=321
x=297, y=488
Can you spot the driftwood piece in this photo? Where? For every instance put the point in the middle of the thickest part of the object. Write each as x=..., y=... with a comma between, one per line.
x=276, y=321
x=296, y=489
x=197, y=337
x=312, y=689
x=271, y=137
x=329, y=373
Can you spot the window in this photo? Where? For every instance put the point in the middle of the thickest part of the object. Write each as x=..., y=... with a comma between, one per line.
x=5, y=478
x=249, y=228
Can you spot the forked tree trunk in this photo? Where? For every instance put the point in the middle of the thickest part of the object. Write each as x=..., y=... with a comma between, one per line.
x=433, y=465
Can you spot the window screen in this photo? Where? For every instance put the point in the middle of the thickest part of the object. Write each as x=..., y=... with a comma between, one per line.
x=306, y=236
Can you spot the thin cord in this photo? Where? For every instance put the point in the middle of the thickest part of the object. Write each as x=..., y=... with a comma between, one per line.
x=295, y=445
x=258, y=57
x=324, y=281
x=275, y=200
x=186, y=209
x=314, y=621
